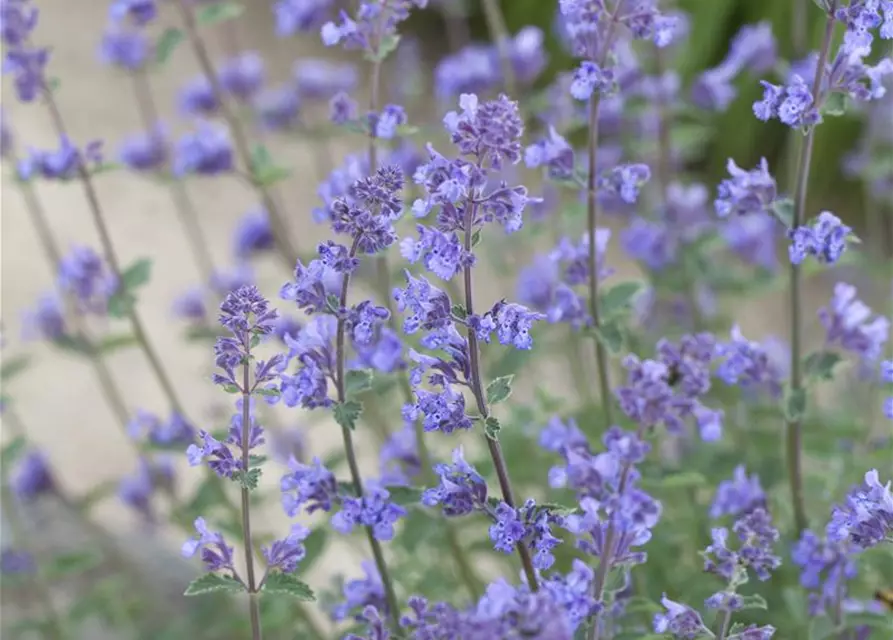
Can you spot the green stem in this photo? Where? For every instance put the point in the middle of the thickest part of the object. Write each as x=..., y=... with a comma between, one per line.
x=286, y=249
x=111, y=257
x=350, y=451
x=499, y=33
x=477, y=388
x=724, y=624
x=794, y=427
x=253, y=604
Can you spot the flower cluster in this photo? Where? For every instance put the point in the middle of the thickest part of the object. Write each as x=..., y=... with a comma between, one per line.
x=826, y=239
x=848, y=323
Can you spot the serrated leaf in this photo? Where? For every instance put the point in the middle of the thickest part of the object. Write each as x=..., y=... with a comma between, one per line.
x=499, y=389
x=476, y=238
x=347, y=413
x=248, y=480
x=112, y=343
x=121, y=304
x=795, y=405
x=278, y=583
x=619, y=298
x=137, y=274
x=12, y=451
x=357, y=381
x=167, y=43
x=492, y=428
x=835, y=105
x=11, y=367
x=754, y=601
x=232, y=388
x=820, y=365
x=211, y=582
x=783, y=210
x=610, y=335
x=67, y=564
x=218, y=12
x=459, y=311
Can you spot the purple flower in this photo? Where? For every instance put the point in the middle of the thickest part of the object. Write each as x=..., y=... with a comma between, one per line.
x=253, y=234
x=322, y=79
x=848, y=323
x=826, y=239
x=137, y=490
x=311, y=487
x=624, y=181
x=373, y=509
x=589, y=78
x=866, y=517
x=429, y=307
x=679, y=620
x=887, y=378
x=462, y=489
x=512, y=323
x=146, y=150
x=63, y=163
x=747, y=363
x=125, y=48
x=197, y=98
x=32, y=477
x=441, y=253
x=364, y=320
x=215, y=553
x=16, y=561
x=793, y=104
x=441, y=411
x=553, y=153
x=314, y=351
x=218, y=455
x=399, y=457
x=300, y=16
x=84, y=275
x=242, y=76
x=358, y=594
x=757, y=536
x=47, y=320
x=285, y=554
x=385, y=125
x=369, y=215
x=746, y=192
x=825, y=567
x=24, y=61
x=176, y=431
x=384, y=354
x=490, y=131
x=206, y=151
x=739, y=495
x=374, y=22
x=140, y=12
x=288, y=443
x=277, y=108
x=247, y=315
x=191, y=305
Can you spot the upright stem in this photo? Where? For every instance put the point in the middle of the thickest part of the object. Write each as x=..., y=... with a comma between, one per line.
x=724, y=625
x=54, y=256
x=477, y=388
x=253, y=605
x=794, y=427
x=55, y=629
x=604, y=563
x=601, y=357
x=111, y=257
x=350, y=452
x=500, y=33
x=286, y=249
x=183, y=204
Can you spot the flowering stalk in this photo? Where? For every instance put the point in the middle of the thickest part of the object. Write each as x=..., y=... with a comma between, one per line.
x=794, y=427
x=110, y=391
x=477, y=388
x=350, y=451
x=287, y=251
x=114, y=264
x=252, y=586
x=183, y=204
x=500, y=33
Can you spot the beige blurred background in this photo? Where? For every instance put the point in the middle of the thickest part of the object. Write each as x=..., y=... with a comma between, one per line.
x=57, y=398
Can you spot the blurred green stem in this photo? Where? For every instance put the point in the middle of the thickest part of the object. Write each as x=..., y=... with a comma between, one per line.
x=500, y=34
x=286, y=249
x=253, y=604
x=350, y=451
x=794, y=426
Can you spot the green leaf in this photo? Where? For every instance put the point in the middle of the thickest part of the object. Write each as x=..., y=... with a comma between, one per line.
x=754, y=601
x=11, y=367
x=499, y=389
x=385, y=48
x=795, y=405
x=218, y=12
x=619, y=298
x=74, y=344
x=248, y=480
x=264, y=171
x=112, y=343
x=610, y=335
x=820, y=365
x=232, y=388
x=169, y=40
x=347, y=413
x=287, y=584
x=783, y=210
x=835, y=105
x=269, y=393
x=459, y=311
x=476, y=238
x=404, y=495
x=137, y=274
x=211, y=582
x=12, y=451
x=492, y=428
x=77, y=562
x=357, y=381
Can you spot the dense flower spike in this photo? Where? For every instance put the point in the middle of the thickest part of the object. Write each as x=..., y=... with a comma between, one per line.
x=746, y=192
x=748, y=364
x=739, y=495
x=374, y=23
x=826, y=239
x=866, y=517
x=374, y=510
